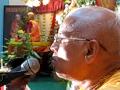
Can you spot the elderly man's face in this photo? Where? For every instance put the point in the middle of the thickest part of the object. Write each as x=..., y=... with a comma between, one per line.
x=68, y=56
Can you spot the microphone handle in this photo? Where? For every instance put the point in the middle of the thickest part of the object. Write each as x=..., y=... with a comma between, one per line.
x=10, y=76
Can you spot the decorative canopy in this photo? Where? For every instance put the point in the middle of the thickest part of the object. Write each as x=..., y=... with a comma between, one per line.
x=52, y=6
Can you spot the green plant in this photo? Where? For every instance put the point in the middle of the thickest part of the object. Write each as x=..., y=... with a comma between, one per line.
x=20, y=48
x=82, y=2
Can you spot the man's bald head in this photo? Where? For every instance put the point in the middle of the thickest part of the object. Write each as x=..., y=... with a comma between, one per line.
x=96, y=23
x=30, y=15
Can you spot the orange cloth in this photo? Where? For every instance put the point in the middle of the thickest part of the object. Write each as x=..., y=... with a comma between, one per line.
x=110, y=4
x=33, y=28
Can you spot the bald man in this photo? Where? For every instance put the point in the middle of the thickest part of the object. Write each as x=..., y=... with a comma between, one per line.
x=33, y=27
x=86, y=49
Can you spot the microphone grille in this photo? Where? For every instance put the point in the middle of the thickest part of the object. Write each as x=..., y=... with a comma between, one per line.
x=31, y=65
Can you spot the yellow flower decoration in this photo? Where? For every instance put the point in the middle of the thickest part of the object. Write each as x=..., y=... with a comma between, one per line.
x=20, y=32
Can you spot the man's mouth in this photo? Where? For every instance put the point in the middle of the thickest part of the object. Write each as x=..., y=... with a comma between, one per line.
x=52, y=62
x=54, y=58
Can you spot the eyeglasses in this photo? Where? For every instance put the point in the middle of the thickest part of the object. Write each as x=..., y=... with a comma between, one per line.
x=58, y=40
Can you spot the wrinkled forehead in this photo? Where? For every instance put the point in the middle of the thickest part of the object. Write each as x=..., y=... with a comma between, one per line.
x=91, y=15
x=72, y=27
x=75, y=24
x=84, y=25
x=68, y=26
x=65, y=30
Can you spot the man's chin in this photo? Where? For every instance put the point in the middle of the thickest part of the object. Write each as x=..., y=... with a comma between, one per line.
x=63, y=76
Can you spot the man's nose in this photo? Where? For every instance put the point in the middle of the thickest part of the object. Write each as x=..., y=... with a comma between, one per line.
x=54, y=47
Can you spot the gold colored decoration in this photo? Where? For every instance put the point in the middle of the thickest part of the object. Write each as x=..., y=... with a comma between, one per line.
x=110, y=4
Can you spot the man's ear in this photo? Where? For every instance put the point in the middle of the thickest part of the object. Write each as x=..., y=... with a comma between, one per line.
x=92, y=50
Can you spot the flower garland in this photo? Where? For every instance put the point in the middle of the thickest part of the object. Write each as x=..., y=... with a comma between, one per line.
x=75, y=4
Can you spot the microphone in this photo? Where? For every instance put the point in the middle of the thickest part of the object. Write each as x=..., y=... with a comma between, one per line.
x=29, y=67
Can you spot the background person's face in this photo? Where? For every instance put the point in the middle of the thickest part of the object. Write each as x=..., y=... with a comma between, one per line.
x=30, y=16
x=18, y=18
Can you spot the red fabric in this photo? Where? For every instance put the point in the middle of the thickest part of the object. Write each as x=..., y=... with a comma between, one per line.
x=28, y=27
x=14, y=27
x=53, y=6
x=12, y=88
x=2, y=88
x=98, y=2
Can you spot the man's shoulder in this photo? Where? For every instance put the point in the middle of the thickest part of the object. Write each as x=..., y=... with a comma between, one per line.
x=113, y=83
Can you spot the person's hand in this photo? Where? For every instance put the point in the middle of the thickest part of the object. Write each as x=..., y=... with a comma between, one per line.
x=20, y=81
